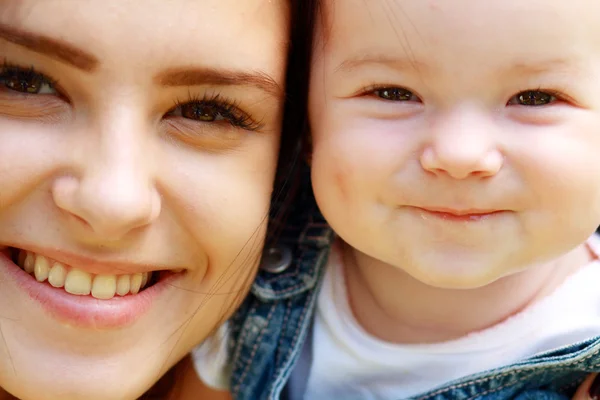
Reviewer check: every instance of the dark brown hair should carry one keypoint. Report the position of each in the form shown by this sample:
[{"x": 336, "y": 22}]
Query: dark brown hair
[
  {"x": 293, "y": 147},
  {"x": 291, "y": 154}
]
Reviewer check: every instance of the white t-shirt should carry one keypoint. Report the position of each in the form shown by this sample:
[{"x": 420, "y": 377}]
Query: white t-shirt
[{"x": 348, "y": 363}]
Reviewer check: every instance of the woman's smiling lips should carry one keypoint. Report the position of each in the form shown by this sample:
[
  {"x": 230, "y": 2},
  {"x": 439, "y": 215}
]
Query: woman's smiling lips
[{"x": 82, "y": 296}]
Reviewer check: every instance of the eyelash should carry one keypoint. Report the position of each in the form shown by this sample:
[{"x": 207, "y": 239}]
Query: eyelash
[
  {"x": 215, "y": 103},
  {"x": 9, "y": 70},
  {"x": 227, "y": 108},
  {"x": 556, "y": 94},
  {"x": 372, "y": 89}
]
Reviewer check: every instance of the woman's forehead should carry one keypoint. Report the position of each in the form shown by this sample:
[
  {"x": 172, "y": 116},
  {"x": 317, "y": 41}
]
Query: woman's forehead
[{"x": 154, "y": 34}]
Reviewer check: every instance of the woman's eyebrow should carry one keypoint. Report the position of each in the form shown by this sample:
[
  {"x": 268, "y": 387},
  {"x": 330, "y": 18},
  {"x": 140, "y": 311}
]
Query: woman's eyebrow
[
  {"x": 212, "y": 76},
  {"x": 59, "y": 50},
  {"x": 67, "y": 53}
]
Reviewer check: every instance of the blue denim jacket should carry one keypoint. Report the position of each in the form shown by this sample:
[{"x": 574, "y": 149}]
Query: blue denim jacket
[{"x": 269, "y": 331}]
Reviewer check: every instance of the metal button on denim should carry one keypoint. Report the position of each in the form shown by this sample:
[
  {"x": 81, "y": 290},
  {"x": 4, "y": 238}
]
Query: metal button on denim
[{"x": 276, "y": 259}]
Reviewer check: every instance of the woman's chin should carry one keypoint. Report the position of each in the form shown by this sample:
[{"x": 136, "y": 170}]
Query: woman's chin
[
  {"x": 31, "y": 372},
  {"x": 73, "y": 383},
  {"x": 42, "y": 357}
]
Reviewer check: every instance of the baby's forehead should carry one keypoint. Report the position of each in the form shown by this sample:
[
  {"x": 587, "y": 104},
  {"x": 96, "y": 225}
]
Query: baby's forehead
[{"x": 551, "y": 34}]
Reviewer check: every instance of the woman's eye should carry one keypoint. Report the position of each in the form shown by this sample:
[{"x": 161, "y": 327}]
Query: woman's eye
[
  {"x": 201, "y": 112},
  {"x": 532, "y": 98},
  {"x": 215, "y": 110},
  {"x": 395, "y": 94},
  {"x": 25, "y": 81}
]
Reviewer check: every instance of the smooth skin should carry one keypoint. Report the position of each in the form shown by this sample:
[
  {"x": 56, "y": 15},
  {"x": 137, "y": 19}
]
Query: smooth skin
[{"x": 148, "y": 136}]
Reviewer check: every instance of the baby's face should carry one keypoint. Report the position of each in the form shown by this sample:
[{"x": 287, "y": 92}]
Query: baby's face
[{"x": 458, "y": 140}]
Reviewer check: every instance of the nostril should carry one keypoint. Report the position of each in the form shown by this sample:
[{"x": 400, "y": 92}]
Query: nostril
[
  {"x": 80, "y": 220},
  {"x": 108, "y": 203}
]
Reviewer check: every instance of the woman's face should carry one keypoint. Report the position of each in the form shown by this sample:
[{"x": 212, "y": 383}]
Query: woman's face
[{"x": 138, "y": 146}]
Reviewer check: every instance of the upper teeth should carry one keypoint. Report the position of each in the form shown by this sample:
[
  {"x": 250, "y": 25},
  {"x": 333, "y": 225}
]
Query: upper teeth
[{"x": 78, "y": 282}]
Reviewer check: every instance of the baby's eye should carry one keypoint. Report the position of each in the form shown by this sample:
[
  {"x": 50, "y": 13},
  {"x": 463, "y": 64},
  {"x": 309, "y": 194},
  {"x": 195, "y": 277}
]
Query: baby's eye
[
  {"x": 395, "y": 94},
  {"x": 534, "y": 98},
  {"x": 25, "y": 81}
]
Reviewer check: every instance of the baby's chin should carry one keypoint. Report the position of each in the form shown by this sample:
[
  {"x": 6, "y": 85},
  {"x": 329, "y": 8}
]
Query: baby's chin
[
  {"x": 461, "y": 281},
  {"x": 459, "y": 271}
]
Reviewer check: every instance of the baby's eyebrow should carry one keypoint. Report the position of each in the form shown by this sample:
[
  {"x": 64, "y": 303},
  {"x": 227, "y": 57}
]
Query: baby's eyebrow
[
  {"x": 366, "y": 59},
  {"x": 54, "y": 48},
  {"x": 520, "y": 66},
  {"x": 542, "y": 66}
]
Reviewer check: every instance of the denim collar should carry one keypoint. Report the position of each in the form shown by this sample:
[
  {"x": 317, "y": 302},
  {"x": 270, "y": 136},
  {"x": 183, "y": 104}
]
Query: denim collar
[{"x": 303, "y": 238}]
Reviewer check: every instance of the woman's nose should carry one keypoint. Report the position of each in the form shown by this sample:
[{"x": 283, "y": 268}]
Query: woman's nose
[{"x": 114, "y": 191}]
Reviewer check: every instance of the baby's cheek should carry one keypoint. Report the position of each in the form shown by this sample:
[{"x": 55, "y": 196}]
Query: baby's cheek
[
  {"x": 341, "y": 184},
  {"x": 331, "y": 175}
]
